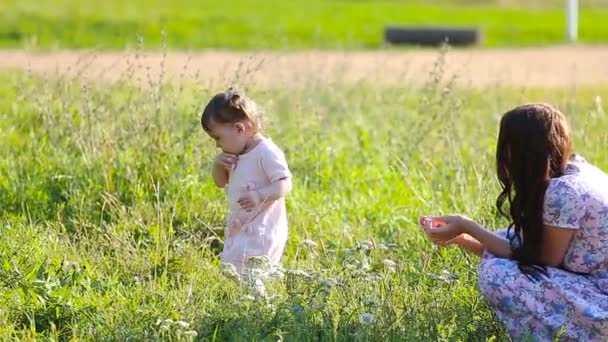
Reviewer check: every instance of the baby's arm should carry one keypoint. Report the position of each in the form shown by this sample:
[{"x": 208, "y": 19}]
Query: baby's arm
[
  {"x": 275, "y": 166},
  {"x": 251, "y": 199},
  {"x": 276, "y": 190},
  {"x": 220, "y": 176}
]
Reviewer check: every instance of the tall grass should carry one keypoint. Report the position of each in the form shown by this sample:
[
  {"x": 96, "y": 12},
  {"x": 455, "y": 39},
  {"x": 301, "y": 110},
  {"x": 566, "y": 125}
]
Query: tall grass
[{"x": 111, "y": 223}]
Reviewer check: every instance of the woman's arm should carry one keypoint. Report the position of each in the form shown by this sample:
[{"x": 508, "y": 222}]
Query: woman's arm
[
  {"x": 468, "y": 243},
  {"x": 555, "y": 244},
  {"x": 495, "y": 244},
  {"x": 442, "y": 229}
]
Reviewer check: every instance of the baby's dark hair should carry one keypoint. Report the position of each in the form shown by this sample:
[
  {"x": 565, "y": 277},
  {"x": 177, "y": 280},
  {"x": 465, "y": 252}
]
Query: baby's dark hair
[{"x": 231, "y": 106}]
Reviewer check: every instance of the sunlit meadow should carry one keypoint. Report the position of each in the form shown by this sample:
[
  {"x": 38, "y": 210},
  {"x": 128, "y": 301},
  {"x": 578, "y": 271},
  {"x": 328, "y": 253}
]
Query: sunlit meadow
[{"x": 111, "y": 224}]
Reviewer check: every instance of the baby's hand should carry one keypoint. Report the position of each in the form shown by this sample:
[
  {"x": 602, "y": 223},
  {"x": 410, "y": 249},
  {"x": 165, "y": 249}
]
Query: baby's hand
[
  {"x": 226, "y": 160},
  {"x": 250, "y": 200}
]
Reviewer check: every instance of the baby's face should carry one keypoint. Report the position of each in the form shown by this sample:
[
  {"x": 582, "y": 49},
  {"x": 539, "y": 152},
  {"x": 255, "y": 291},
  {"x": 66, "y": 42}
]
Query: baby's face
[{"x": 229, "y": 137}]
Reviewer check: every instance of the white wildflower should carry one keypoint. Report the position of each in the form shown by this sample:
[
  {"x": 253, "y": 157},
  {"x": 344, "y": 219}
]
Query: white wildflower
[
  {"x": 261, "y": 262},
  {"x": 257, "y": 267},
  {"x": 370, "y": 302},
  {"x": 390, "y": 265},
  {"x": 329, "y": 282},
  {"x": 299, "y": 273},
  {"x": 445, "y": 276},
  {"x": 352, "y": 260},
  {"x": 365, "y": 246},
  {"x": 259, "y": 288},
  {"x": 449, "y": 277},
  {"x": 373, "y": 276},
  {"x": 229, "y": 270},
  {"x": 308, "y": 243},
  {"x": 350, "y": 267},
  {"x": 248, "y": 298},
  {"x": 209, "y": 240},
  {"x": 436, "y": 277},
  {"x": 276, "y": 275},
  {"x": 191, "y": 333},
  {"x": 183, "y": 324},
  {"x": 75, "y": 265},
  {"x": 367, "y": 318},
  {"x": 365, "y": 265},
  {"x": 351, "y": 263}
]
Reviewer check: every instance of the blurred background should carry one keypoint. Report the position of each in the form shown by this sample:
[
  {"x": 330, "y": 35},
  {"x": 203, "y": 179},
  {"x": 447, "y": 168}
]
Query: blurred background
[{"x": 271, "y": 24}]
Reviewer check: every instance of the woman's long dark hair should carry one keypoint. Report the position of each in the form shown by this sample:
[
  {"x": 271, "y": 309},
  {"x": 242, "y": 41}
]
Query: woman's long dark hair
[{"x": 534, "y": 145}]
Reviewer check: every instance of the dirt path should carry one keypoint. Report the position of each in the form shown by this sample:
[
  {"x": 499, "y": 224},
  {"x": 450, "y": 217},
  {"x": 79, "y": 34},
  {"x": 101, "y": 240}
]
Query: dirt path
[{"x": 551, "y": 66}]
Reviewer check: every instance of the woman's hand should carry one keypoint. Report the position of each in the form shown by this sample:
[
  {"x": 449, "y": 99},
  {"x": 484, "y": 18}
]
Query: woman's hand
[
  {"x": 445, "y": 230},
  {"x": 466, "y": 233}
]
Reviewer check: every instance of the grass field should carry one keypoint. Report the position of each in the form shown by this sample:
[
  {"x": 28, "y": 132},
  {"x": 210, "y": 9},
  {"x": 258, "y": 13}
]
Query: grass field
[
  {"x": 246, "y": 24},
  {"x": 110, "y": 221}
]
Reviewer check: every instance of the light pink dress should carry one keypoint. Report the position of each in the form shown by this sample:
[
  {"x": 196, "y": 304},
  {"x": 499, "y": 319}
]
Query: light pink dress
[{"x": 263, "y": 231}]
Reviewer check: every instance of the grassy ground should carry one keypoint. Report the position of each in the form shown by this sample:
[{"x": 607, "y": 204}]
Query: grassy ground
[
  {"x": 110, "y": 221},
  {"x": 246, "y": 24}
]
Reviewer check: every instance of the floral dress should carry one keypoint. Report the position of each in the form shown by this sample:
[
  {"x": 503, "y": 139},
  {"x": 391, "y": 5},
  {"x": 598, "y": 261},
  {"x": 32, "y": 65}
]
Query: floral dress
[{"x": 571, "y": 301}]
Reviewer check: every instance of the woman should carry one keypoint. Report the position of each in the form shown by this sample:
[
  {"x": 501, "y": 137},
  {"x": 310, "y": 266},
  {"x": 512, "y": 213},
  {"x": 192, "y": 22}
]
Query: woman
[{"x": 547, "y": 275}]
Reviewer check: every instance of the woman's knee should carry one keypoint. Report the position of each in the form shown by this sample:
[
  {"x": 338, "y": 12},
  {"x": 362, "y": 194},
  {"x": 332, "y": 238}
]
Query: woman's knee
[{"x": 495, "y": 280}]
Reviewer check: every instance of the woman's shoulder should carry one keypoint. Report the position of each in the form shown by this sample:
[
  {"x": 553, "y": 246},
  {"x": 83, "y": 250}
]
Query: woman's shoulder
[{"x": 580, "y": 177}]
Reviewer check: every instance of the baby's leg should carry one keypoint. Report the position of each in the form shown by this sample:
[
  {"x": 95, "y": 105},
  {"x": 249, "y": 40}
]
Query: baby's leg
[{"x": 275, "y": 250}]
